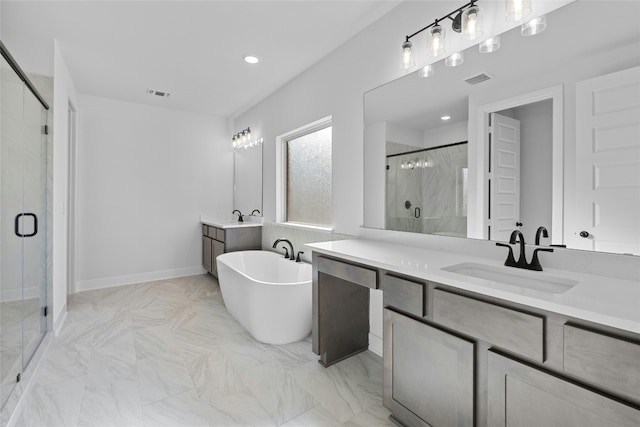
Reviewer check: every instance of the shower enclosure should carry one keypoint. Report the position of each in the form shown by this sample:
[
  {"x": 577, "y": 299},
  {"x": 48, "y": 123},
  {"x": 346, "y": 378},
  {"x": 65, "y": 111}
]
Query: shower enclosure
[
  {"x": 427, "y": 190},
  {"x": 23, "y": 199}
]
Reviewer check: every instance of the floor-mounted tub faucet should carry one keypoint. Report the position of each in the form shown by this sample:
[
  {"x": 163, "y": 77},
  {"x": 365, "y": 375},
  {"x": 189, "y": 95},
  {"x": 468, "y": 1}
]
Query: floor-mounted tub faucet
[
  {"x": 240, "y": 219},
  {"x": 286, "y": 254}
]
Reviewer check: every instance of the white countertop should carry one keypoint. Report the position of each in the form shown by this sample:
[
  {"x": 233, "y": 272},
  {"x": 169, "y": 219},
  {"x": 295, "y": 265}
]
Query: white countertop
[
  {"x": 603, "y": 300},
  {"x": 221, "y": 223}
]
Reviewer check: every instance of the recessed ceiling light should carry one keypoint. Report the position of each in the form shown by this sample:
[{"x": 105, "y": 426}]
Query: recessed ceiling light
[
  {"x": 445, "y": 118},
  {"x": 251, "y": 59}
]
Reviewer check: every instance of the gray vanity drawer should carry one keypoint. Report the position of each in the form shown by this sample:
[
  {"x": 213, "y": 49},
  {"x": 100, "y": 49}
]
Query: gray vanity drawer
[
  {"x": 219, "y": 235},
  {"x": 205, "y": 230},
  {"x": 404, "y": 294},
  {"x": 513, "y": 330},
  {"x": 349, "y": 272},
  {"x": 605, "y": 360}
]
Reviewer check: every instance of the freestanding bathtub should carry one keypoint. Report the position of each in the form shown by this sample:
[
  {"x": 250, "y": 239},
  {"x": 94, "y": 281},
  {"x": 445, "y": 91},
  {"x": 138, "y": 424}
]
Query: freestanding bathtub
[{"x": 270, "y": 296}]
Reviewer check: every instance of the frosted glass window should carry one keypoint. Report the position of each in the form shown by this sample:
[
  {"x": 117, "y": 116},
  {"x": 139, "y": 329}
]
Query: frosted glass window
[{"x": 309, "y": 178}]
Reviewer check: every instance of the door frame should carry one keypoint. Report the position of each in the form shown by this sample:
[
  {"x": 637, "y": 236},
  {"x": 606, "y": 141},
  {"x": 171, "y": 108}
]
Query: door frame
[
  {"x": 72, "y": 193},
  {"x": 553, "y": 93}
]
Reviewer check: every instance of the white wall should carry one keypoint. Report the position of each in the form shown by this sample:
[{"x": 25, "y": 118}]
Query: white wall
[
  {"x": 450, "y": 134},
  {"x": 145, "y": 176},
  {"x": 335, "y": 86},
  {"x": 64, "y": 91}
]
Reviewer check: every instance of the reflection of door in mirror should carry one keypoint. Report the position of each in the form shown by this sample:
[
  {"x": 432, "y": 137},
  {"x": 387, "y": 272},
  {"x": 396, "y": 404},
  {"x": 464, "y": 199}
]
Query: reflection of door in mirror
[
  {"x": 607, "y": 216},
  {"x": 504, "y": 176}
]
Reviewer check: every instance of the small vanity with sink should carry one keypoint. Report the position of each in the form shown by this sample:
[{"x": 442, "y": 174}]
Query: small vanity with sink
[
  {"x": 468, "y": 341},
  {"x": 219, "y": 237}
]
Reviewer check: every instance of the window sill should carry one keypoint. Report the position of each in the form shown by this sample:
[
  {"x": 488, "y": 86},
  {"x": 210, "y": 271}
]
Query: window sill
[{"x": 305, "y": 226}]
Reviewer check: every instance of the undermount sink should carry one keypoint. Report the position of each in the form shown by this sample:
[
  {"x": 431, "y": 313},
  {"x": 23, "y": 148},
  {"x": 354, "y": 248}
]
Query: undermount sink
[{"x": 510, "y": 278}]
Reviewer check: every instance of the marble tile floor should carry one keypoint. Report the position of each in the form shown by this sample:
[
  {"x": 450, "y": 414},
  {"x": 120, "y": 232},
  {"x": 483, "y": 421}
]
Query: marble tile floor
[
  {"x": 167, "y": 353},
  {"x": 20, "y": 333}
]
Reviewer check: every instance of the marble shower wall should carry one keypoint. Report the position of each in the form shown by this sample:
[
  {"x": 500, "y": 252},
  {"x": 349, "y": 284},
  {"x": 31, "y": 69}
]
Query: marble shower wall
[{"x": 435, "y": 182}]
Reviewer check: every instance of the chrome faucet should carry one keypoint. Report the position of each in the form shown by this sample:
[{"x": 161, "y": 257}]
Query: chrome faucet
[
  {"x": 292, "y": 257},
  {"x": 541, "y": 231},
  {"x": 240, "y": 219},
  {"x": 517, "y": 237}
]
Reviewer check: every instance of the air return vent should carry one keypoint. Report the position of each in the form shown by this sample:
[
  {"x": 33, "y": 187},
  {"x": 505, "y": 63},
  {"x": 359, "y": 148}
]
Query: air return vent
[
  {"x": 482, "y": 77},
  {"x": 159, "y": 93}
]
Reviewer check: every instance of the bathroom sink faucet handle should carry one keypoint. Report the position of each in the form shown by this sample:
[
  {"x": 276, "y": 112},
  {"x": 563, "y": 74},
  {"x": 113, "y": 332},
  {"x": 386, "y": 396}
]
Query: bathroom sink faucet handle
[
  {"x": 298, "y": 257},
  {"x": 510, "y": 261},
  {"x": 286, "y": 252},
  {"x": 239, "y": 215},
  {"x": 535, "y": 262}
]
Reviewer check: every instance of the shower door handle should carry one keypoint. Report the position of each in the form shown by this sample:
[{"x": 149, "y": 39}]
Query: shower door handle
[{"x": 16, "y": 224}]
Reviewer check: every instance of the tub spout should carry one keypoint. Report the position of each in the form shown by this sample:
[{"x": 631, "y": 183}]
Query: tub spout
[{"x": 292, "y": 252}]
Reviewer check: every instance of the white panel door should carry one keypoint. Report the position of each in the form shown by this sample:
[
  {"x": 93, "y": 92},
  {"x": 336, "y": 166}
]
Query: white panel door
[
  {"x": 607, "y": 164},
  {"x": 504, "y": 168}
]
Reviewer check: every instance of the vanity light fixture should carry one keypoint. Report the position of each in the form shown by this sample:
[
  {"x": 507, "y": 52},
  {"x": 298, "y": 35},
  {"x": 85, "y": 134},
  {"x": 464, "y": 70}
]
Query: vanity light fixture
[
  {"x": 454, "y": 59},
  {"x": 406, "y": 57},
  {"x": 243, "y": 140},
  {"x": 471, "y": 23},
  {"x": 426, "y": 71},
  {"x": 436, "y": 40},
  {"x": 535, "y": 26},
  {"x": 517, "y": 10},
  {"x": 489, "y": 45}
]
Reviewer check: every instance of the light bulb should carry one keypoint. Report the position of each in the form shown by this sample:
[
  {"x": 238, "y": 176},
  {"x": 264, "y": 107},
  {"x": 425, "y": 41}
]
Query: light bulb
[
  {"x": 471, "y": 23},
  {"x": 535, "y": 26},
  {"x": 406, "y": 58},
  {"x": 435, "y": 41},
  {"x": 489, "y": 45},
  {"x": 517, "y": 9},
  {"x": 454, "y": 59},
  {"x": 426, "y": 71},
  {"x": 248, "y": 134}
]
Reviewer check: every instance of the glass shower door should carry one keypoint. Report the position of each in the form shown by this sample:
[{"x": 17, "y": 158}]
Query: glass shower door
[{"x": 22, "y": 220}]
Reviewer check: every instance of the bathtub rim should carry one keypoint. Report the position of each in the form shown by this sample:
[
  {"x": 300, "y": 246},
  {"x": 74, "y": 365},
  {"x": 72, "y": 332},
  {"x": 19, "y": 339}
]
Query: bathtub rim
[{"x": 262, "y": 282}]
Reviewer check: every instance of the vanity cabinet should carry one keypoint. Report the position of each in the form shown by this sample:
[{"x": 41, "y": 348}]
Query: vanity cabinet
[
  {"x": 523, "y": 395},
  {"x": 457, "y": 358},
  {"x": 216, "y": 241},
  {"x": 428, "y": 373},
  {"x": 340, "y": 312}
]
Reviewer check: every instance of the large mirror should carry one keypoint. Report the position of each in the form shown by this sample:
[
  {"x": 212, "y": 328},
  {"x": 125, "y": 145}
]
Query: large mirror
[
  {"x": 543, "y": 132},
  {"x": 247, "y": 180}
]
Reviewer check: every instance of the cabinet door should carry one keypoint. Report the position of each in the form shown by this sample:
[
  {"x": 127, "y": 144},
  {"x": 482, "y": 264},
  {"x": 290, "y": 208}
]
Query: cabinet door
[
  {"x": 520, "y": 395},
  {"x": 428, "y": 374},
  {"x": 218, "y": 249},
  {"x": 207, "y": 252}
]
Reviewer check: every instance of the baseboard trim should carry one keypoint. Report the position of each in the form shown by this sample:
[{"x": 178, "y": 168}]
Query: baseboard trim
[
  {"x": 59, "y": 322},
  {"x": 375, "y": 344},
  {"x": 110, "y": 282}
]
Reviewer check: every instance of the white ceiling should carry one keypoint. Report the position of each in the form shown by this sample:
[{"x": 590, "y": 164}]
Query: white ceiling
[{"x": 192, "y": 49}]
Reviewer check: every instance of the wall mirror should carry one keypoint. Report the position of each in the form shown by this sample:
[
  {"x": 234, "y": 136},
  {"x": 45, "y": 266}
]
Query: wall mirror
[
  {"x": 543, "y": 132},
  {"x": 247, "y": 179}
]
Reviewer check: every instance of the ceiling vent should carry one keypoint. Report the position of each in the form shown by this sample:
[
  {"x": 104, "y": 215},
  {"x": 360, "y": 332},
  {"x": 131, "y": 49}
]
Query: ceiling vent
[
  {"x": 482, "y": 77},
  {"x": 159, "y": 93}
]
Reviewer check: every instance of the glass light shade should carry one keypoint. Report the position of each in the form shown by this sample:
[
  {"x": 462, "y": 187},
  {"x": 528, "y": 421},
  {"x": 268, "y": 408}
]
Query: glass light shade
[
  {"x": 406, "y": 56},
  {"x": 471, "y": 23},
  {"x": 435, "y": 41},
  {"x": 454, "y": 59},
  {"x": 517, "y": 9},
  {"x": 426, "y": 71},
  {"x": 489, "y": 45},
  {"x": 535, "y": 26}
]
